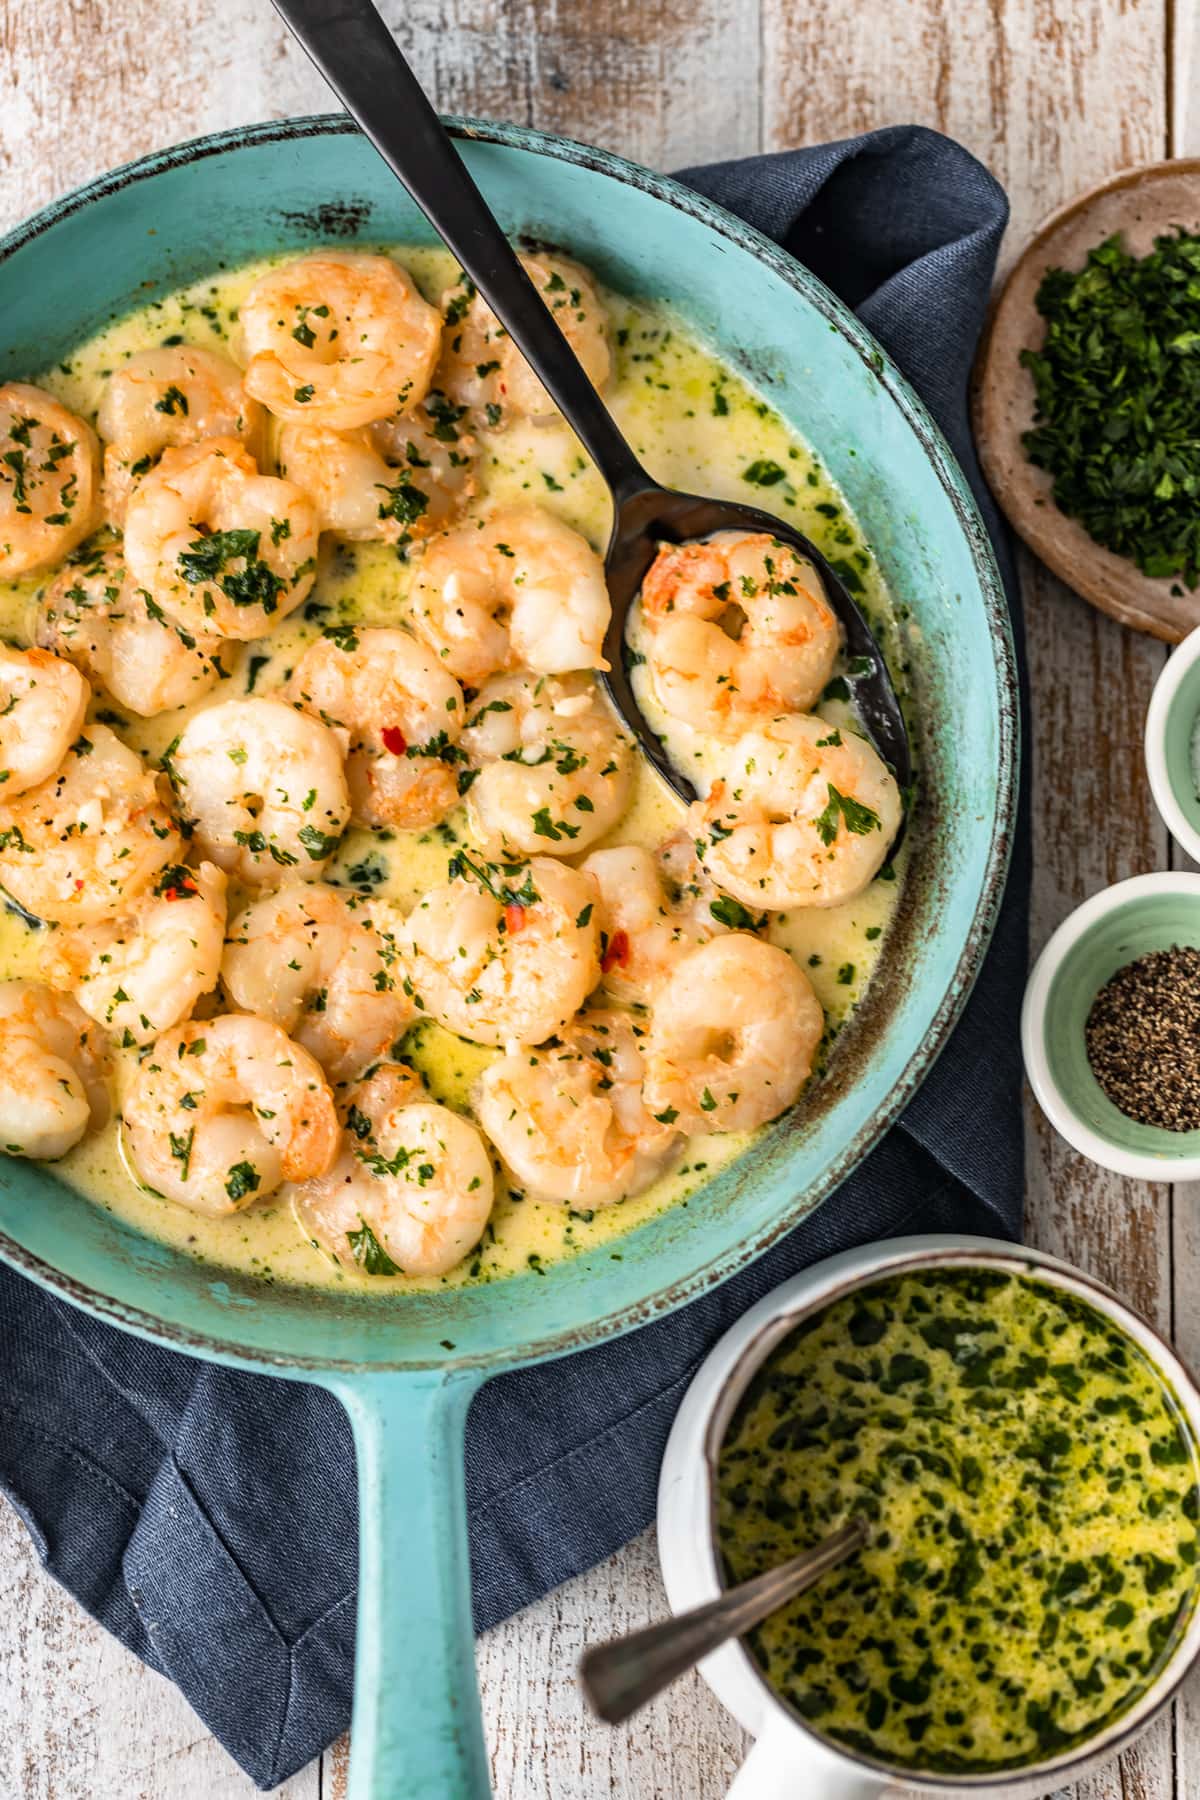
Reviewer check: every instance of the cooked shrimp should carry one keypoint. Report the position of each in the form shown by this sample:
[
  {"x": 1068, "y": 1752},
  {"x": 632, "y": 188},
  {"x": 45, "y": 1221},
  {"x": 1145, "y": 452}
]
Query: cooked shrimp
[
  {"x": 412, "y": 1189},
  {"x": 339, "y": 339},
  {"x": 223, "y": 1110},
  {"x": 324, "y": 967},
  {"x": 219, "y": 547},
  {"x": 143, "y": 971},
  {"x": 53, "y": 1064},
  {"x": 735, "y": 1028},
  {"x": 49, "y": 490},
  {"x": 738, "y": 630},
  {"x": 504, "y": 953},
  {"x": 554, "y": 767},
  {"x": 83, "y": 844},
  {"x": 804, "y": 817},
  {"x": 570, "y": 1120},
  {"x": 396, "y": 481},
  {"x": 42, "y": 703},
  {"x": 403, "y": 714},
  {"x": 92, "y": 614},
  {"x": 517, "y": 590},
  {"x": 646, "y": 924},
  {"x": 162, "y": 399},
  {"x": 263, "y": 788},
  {"x": 693, "y": 895},
  {"x": 483, "y": 370}
]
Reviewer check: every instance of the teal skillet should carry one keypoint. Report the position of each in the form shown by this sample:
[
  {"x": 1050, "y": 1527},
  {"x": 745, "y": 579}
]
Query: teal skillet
[{"x": 405, "y": 1368}]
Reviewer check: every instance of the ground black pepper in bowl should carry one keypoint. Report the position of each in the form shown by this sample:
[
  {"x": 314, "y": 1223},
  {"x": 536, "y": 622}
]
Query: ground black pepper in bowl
[{"x": 1143, "y": 1038}]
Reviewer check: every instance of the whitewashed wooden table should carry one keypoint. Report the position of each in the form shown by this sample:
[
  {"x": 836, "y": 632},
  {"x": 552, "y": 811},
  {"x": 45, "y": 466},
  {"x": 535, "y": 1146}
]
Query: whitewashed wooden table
[{"x": 1053, "y": 95}]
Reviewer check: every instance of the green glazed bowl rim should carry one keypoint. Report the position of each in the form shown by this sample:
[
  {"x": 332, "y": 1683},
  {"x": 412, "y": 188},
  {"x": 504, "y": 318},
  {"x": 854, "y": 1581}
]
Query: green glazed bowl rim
[
  {"x": 976, "y": 934},
  {"x": 1174, "y": 1156},
  {"x": 1177, "y": 682}
]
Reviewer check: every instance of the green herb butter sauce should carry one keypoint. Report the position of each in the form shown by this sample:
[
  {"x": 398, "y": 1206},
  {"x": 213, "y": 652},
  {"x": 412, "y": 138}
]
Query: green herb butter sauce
[
  {"x": 697, "y": 425},
  {"x": 1030, "y": 1485}
]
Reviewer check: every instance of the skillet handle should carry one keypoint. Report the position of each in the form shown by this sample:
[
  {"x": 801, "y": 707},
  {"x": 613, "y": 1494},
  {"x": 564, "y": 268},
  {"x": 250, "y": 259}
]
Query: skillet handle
[{"x": 416, "y": 1732}]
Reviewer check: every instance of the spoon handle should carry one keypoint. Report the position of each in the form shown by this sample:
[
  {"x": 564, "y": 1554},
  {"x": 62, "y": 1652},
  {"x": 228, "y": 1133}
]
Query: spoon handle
[
  {"x": 363, "y": 64},
  {"x": 619, "y": 1677}
]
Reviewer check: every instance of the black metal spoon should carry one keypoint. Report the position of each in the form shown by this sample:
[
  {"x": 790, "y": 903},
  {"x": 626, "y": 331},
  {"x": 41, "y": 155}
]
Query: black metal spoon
[{"x": 356, "y": 53}]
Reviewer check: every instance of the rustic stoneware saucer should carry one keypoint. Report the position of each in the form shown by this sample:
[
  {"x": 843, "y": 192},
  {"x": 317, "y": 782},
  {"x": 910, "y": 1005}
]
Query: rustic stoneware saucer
[{"x": 1141, "y": 205}]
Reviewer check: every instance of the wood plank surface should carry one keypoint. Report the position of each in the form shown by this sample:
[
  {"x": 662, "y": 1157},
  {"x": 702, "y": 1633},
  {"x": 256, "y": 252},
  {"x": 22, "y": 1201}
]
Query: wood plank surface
[{"x": 1053, "y": 94}]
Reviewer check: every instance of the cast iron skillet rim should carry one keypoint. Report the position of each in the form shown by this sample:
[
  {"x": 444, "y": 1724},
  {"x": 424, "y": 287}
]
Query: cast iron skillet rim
[{"x": 991, "y": 891}]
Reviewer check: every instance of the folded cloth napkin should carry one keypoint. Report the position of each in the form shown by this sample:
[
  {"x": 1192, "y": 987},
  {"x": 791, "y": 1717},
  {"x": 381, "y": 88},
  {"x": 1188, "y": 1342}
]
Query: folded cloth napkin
[{"x": 208, "y": 1518}]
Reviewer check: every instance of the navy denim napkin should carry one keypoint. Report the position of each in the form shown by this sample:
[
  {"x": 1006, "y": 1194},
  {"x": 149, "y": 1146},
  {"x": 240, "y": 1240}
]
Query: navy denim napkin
[{"x": 208, "y": 1518}]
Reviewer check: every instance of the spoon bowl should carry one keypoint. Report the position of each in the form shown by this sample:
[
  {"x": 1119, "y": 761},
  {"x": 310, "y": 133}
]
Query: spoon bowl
[
  {"x": 621, "y": 1676},
  {"x": 650, "y": 516},
  {"x": 358, "y": 56}
]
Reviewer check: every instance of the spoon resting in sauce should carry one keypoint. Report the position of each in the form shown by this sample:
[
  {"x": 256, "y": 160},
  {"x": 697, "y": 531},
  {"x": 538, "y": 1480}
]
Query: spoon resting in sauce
[
  {"x": 620, "y": 1677},
  {"x": 354, "y": 50}
]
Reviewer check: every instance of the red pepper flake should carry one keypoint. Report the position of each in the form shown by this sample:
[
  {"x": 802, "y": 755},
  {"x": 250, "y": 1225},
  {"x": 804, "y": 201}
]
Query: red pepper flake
[
  {"x": 394, "y": 740},
  {"x": 616, "y": 953},
  {"x": 181, "y": 892},
  {"x": 514, "y": 917}
]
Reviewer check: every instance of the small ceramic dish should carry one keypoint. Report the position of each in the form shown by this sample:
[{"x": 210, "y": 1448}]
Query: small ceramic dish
[
  {"x": 1172, "y": 721},
  {"x": 790, "y": 1757},
  {"x": 1148, "y": 912}
]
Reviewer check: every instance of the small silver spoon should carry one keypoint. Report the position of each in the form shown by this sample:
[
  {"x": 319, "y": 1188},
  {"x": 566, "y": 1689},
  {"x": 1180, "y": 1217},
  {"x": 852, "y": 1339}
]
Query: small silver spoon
[
  {"x": 619, "y": 1677},
  {"x": 361, "y": 61}
]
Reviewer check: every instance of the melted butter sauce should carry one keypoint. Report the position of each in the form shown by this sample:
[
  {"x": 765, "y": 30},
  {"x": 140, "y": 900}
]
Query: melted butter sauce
[
  {"x": 1030, "y": 1486},
  {"x": 697, "y": 425}
]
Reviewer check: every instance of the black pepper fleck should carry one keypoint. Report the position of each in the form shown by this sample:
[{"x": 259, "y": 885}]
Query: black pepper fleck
[{"x": 1143, "y": 1038}]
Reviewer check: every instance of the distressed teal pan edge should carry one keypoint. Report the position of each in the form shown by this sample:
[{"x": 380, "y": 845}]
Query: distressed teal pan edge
[
  {"x": 405, "y": 1370},
  {"x": 882, "y": 401}
]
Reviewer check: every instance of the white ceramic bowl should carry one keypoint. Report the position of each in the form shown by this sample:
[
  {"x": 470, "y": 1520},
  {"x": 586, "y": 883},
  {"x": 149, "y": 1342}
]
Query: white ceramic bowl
[
  {"x": 1171, "y": 720},
  {"x": 789, "y": 1761},
  {"x": 1148, "y": 912}
]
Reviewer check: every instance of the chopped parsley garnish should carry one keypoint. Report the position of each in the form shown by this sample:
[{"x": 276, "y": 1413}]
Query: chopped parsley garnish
[
  {"x": 859, "y": 819},
  {"x": 445, "y": 416},
  {"x": 545, "y": 826},
  {"x": 731, "y": 912},
  {"x": 404, "y": 503},
  {"x": 763, "y": 472},
  {"x": 242, "y": 1179},
  {"x": 487, "y": 874},
  {"x": 344, "y": 636},
  {"x": 181, "y": 1150},
  {"x": 208, "y": 559},
  {"x": 369, "y": 1253},
  {"x": 319, "y": 844},
  {"x": 357, "y": 1123},
  {"x": 1117, "y": 384}
]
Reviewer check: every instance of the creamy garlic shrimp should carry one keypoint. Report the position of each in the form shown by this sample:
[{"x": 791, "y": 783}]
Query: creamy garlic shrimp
[{"x": 363, "y": 950}]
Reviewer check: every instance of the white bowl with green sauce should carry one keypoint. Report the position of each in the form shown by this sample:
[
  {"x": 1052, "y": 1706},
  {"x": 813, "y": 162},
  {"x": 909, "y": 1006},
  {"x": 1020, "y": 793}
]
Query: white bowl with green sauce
[{"x": 1026, "y": 1453}]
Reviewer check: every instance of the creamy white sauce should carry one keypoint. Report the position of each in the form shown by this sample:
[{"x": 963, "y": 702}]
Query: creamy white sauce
[{"x": 696, "y": 425}]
